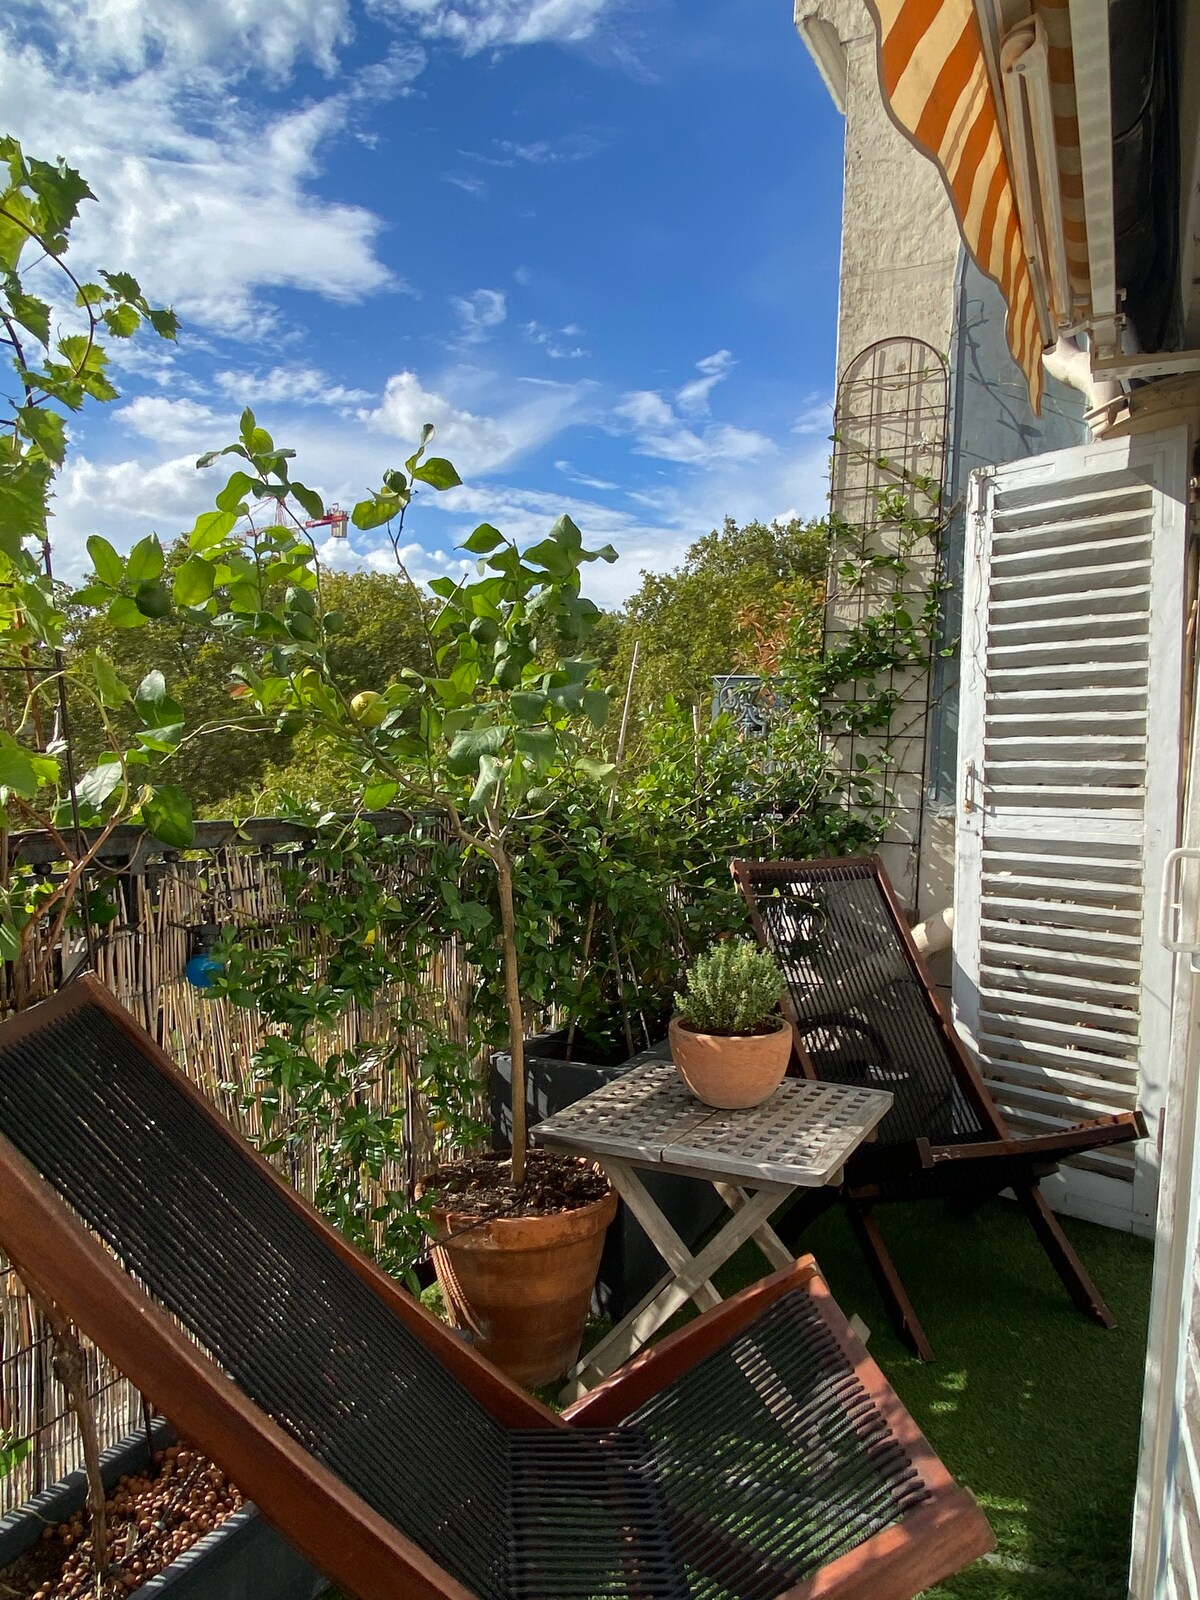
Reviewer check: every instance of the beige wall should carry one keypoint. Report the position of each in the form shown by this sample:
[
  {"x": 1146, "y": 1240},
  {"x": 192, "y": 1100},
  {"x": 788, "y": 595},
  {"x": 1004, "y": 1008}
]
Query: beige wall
[{"x": 899, "y": 254}]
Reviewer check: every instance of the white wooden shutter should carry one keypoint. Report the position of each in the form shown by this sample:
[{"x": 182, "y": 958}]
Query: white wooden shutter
[{"x": 1068, "y": 795}]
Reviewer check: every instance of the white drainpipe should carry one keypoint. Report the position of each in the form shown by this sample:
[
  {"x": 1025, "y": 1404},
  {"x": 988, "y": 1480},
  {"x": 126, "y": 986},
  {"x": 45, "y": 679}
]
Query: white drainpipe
[{"x": 1071, "y": 364}]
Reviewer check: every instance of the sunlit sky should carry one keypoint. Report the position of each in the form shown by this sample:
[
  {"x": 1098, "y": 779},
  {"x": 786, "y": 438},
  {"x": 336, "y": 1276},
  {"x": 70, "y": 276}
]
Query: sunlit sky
[{"x": 595, "y": 242}]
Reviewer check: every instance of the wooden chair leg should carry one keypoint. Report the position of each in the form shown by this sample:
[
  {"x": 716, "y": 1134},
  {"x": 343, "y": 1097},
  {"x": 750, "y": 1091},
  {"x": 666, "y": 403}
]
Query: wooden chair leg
[
  {"x": 1063, "y": 1259},
  {"x": 888, "y": 1281}
]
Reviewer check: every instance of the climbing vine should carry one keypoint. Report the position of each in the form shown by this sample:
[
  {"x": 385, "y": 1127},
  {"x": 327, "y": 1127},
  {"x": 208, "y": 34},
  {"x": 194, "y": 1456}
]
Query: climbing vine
[{"x": 857, "y": 691}]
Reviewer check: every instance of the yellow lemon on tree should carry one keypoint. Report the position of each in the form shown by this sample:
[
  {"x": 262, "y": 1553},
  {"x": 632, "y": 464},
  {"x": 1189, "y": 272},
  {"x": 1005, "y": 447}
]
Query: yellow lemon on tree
[{"x": 368, "y": 709}]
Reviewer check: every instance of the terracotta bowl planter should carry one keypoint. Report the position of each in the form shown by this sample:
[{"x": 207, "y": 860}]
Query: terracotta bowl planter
[
  {"x": 522, "y": 1285},
  {"x": 731, "y": 1071}
]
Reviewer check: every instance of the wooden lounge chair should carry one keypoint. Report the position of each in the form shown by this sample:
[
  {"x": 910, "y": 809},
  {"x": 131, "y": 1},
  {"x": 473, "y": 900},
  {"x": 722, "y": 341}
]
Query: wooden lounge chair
[
  {"x": 757, "y": 1453},
  {"x": 864, "y": 1010}
]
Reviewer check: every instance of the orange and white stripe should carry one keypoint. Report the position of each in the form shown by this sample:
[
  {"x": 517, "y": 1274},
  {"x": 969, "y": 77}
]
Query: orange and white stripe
[{"x": 935, "y": 79}]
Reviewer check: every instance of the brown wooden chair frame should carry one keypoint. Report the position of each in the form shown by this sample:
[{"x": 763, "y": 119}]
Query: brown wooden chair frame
[
  {"x": 1000, "y": 1162},
  {"x": 312, "y": 1507}
]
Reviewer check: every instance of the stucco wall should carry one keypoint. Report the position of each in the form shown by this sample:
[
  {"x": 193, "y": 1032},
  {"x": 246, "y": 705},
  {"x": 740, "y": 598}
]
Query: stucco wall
[{"x": 901, "y": 277}]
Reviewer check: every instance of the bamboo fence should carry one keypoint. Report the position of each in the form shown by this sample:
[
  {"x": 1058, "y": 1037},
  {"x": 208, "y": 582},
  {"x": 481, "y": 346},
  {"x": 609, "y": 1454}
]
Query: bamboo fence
[{"x": 141, "y": 958}]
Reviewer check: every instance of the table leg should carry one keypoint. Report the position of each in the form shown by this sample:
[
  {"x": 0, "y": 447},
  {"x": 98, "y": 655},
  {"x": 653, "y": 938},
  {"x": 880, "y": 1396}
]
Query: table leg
[
  {"x": 688, "y": 1280},
  {"x": 767, "y": 1240}
]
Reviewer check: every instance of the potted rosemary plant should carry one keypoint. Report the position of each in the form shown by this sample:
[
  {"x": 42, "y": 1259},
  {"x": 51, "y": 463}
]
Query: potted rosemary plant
[{"x": 728, "y": 1041}]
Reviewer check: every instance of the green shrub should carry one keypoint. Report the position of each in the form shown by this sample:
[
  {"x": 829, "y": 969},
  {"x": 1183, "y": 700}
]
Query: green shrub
[{"x": 733, "y": 988}]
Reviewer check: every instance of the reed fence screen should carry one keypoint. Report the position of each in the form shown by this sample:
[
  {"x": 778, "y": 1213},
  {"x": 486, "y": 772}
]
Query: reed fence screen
[{"x": 233, "y": 878}]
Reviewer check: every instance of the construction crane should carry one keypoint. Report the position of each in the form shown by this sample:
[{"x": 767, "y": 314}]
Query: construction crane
[{"x": 335, "y": 519}]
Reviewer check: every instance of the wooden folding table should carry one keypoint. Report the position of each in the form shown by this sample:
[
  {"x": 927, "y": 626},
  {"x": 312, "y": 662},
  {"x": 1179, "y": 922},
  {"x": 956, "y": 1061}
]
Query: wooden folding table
[{"x": 799, "y": 1138}]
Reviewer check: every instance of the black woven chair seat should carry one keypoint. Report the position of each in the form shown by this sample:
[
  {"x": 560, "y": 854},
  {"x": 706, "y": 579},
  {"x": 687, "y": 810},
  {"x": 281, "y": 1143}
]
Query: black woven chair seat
[{"x": 733, "y": 1483}]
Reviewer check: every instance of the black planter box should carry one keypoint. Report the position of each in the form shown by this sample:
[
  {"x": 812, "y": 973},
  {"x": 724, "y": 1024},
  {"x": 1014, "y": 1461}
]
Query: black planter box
[
  {"x": 630, "y": 1265},
  {"x": 243, "y": 1559}
]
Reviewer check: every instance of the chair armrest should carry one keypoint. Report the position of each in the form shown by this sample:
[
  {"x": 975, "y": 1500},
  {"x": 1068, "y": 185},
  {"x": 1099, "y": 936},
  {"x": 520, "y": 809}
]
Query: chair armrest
[
  {"x": 1118, "y": 1129},
  {"x": 630, "y": 1387},
  {"x": 878, "y": 1163}
]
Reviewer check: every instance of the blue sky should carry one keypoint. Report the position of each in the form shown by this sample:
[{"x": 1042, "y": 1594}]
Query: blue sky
[{"x": 595, "y": 242}]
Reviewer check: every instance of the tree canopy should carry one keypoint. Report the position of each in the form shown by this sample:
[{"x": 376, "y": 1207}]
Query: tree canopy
[
  {"x": 381, "y": 634},
  {"x": 742, "y": 598}
]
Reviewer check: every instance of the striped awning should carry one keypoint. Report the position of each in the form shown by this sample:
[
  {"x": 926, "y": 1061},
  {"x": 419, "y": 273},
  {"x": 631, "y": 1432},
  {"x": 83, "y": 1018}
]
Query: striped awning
[{"x": 935, "y": 80}]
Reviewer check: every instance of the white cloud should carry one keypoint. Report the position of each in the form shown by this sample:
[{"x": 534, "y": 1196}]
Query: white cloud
[
  {"x": 479, "y": 312},
  {"x": 182, "y": 207},
  {"x": 342, "y": 458},
  {"x": 300, "y": 385},
  {"x": 487, "y": 24},
  {"x": 104, "y": 35},
  {"x": 468, "y": 182},
  {"x": 477, "y": 443},
  {"x": 693, "y": 397},
  {"x": 816, "y": 415},
  {"x": 122, "y": 500},
  {"x": 576, "y": 146},
  {"x": 175, "y": 422},
  {"x": 658, "y": 430},
  {"x": 574, "y": 476},
  {"x": 556, "y": 342}
]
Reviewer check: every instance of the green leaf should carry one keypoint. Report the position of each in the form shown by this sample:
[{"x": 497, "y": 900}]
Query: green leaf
[
  {"x": 113, "y": 689},
  {"x": 145, "y": 561},
  {"x": 309, "y": 500},
  {"x": 124, "y": 613},
  {"x": 483, "y": 540},
  {"x": 491, "y": 775},
  {"x": 471, "y": 747},
  {"x": 426, "y": 435},
  {"x": 60, "y": 190},
  {"x": 551, "y": 556},
  {"x": 23, "y": 489},
  {"x": 437, "y": 472},
  {"x": 17, "y": 771},
  {"x": 538, "y": 744},
  {"x": 10, "y": 949},
  {"x": 152, "y": 691},
  {"x": 47, "y": 430},
  {"x": 373, "y": 513},
  {"x": 526, "y": 706},
  {"x": 96, "y": 786},
  {"x": 597, "y": 771},
  {"x": 210, "y": 529},
  {"x": 168, "y": 816},
  {"x": 235, "y": 491},
  {"x": 33, "y": 314},
  {"x": 123, "y": 284},
  {"x": 595, "y": 707},
  {"x": 164, "y": 321},
  {"x": 152, "y": 600},
  {"x": 110, "y": 569},
  {"x": 378, "y": 796},
  {"x": 194, "y": 581},
  {"x": 122, "y": 321}
]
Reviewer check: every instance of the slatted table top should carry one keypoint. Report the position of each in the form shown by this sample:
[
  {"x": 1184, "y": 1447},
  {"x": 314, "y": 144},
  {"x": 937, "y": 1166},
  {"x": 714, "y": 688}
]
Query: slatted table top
[{"x": 802, "y": 1135}]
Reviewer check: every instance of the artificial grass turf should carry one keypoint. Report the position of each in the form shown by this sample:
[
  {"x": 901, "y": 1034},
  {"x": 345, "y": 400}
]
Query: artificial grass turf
[{"x": 1032, "y": 1406}]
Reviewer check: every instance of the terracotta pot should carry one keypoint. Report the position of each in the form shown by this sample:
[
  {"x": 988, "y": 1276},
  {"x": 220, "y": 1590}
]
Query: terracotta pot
[
  {"x": 523, "y": 1285},
  {"x": 731, "y": 1071}
]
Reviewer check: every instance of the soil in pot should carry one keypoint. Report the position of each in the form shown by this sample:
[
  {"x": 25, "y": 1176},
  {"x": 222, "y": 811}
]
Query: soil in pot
[
  {"x": 152, "y": 1519},
  {"x": 731, "y": 1071},
  {"x": 516, "y": 1268}
]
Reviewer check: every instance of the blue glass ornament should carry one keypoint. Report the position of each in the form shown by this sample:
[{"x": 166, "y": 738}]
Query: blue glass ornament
[{"x": 202, "y": 970}]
